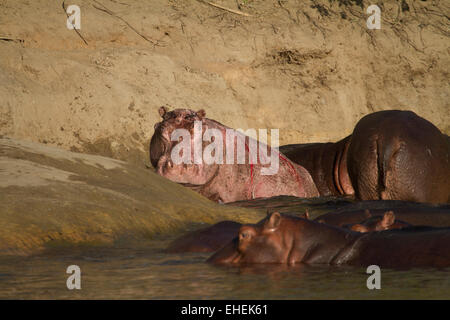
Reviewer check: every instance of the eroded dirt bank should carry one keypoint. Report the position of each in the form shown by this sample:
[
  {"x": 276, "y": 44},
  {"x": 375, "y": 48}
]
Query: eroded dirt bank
[{"x": 309, "y": 68}]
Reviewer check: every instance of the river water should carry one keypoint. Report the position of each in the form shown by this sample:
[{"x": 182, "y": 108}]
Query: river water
[{"x": 142, "y": 270}]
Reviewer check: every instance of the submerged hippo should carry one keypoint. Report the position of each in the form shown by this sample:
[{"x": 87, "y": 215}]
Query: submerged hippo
[
  {"x": 212, "y": 238},
  {"x": 438, "y": 216},
  {"x": 378, "y": 223},
  {"x": 290, "y": 240},
  {"x": 208, "y": 239},
  {"x": 214, "y": 160},
  {"x": 391, "y": 155}
]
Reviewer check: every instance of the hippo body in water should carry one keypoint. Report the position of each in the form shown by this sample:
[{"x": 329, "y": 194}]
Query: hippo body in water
[
  {"x": 207, "y": 239},
  {"x": 417, "y": 216},
  {"x": 224, "y": 182},
  {"x": 212, "y": 238},
  {"x": 378, "y": 223},
  {"x": 290, "y": 240},
  {"x": 391, "y": 155}
]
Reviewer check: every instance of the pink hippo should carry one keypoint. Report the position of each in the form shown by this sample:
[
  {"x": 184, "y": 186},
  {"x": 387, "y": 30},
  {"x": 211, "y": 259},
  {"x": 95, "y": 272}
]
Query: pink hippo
[{"x": 220, "y": 163}]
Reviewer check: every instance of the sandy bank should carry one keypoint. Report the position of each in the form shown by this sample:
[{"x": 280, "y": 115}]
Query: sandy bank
[
  {"x": 310, "y": 68},
  {"x": 50, "y": 196}
]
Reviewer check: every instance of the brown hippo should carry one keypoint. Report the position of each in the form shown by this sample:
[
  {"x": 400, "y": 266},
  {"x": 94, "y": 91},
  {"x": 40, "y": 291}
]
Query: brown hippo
[
  {"x": 391, "y": 155},
  {"x": 246, "y": 174},
  {"x": 290, "y": 240},
  {"x": 212, "y": 238},
  {"x": 209, "y": 239},
  {"x": 378, "y": 223},
  {"x": 438, "y": 216},
  {"x": 327, "y": 164}
]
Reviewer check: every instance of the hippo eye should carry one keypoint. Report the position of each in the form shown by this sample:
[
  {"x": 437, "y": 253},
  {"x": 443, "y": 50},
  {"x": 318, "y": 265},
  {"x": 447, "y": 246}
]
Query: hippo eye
[{"x": 244, "y": 235}]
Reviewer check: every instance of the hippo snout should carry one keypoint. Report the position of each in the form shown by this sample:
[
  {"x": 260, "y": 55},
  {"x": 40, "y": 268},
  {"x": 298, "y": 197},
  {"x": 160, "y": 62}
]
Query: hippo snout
[
  {"x": 164, "y": 164},
  {"x": 229, "y": 254}
]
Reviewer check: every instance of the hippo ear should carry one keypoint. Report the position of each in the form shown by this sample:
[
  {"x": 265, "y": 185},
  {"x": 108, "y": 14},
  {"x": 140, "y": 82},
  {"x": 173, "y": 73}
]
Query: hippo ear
[
  {"x": 306, "y": 214},
  {"x": 201, "y": 113},
  {"x": 273, "y": 222},
  {"x": 162, "y": 111},
  {"x": 388, "y": 219}
]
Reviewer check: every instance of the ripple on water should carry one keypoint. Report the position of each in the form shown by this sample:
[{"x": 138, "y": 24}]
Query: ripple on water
[
  {"x": 151, "y": 274},
  {"x": 144, "y": 271}
]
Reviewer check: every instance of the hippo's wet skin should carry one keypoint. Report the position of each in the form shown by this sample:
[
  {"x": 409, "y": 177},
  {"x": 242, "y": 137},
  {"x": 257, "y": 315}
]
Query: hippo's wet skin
[
  {"x": 327, "y": 164},
  {"x": 438, "y": 216},
  {"x": 290, "y": 240},
  {"x": 225, "y": 182},
  {"x": 212, "y": 238},
  {"x": 208, "y": 239},
  {"x": 378, "y": 223},
  {"x": 391, "y": 155}
]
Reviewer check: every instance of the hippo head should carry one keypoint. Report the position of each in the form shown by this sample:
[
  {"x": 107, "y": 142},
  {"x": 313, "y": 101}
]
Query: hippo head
[
  {"x": 378, "y": 223},
  {"x": 162, "y": 145},
  {"x": 178, "y": 118},
  {"x": 265, "y": 242}
]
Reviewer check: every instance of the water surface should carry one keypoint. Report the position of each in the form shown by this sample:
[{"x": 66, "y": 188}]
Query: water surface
[
  {"x": 142, "y": 270},
  {"x": 148, "y": 273}
]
